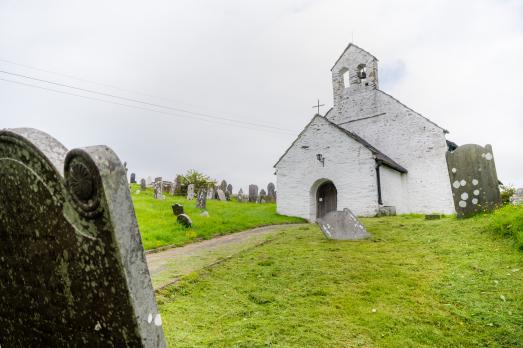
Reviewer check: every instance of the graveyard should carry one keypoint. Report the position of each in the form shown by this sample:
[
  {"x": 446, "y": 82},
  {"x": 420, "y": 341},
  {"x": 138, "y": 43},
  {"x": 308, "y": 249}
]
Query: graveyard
[{"x": 159, "y": 228}]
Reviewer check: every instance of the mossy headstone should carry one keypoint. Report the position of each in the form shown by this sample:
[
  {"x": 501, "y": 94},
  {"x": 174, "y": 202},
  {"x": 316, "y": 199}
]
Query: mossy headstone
[{"x": 73, "y": 271}]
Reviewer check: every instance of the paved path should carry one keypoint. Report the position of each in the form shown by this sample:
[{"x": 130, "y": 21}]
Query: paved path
[{"x": 168, "y": 265}]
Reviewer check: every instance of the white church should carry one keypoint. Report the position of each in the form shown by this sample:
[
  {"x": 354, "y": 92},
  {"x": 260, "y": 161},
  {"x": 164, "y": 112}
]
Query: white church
[{"x": 370, "y": 153}]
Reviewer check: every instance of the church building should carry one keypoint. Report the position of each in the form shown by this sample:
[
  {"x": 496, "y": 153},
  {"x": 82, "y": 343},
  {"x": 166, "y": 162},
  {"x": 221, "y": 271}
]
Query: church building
[{"x": 370, "y": 153}]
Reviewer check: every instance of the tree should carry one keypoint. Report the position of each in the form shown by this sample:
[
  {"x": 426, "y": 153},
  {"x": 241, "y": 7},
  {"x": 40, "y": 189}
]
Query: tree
[
  {"x": 506, "y": 191},
  {"x": 199, "y": 180}
]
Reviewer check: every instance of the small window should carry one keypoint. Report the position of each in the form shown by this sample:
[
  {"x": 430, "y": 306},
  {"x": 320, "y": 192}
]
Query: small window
[
  {"x": 346, "y": 78},
  {"x": 362, "y": 72}
]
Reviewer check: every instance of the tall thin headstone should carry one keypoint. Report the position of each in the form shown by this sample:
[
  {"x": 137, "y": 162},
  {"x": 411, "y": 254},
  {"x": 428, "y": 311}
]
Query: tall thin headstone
[
  {"x": 78, "y": 274},
  {"x": 201, "y": 199},
  {"x": 253, "y": 193},
  {"x": 190, "y": 192}
]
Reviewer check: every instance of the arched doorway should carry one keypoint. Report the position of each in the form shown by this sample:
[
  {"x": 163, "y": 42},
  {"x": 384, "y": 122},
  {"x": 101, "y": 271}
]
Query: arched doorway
[{"x": 326, "y": 199}]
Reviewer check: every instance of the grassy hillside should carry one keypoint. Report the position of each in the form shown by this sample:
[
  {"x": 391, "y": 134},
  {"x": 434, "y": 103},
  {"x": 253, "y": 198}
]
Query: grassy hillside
[
  {"x": 159, "y": 228},
  {"x": 416, "y": 283}
]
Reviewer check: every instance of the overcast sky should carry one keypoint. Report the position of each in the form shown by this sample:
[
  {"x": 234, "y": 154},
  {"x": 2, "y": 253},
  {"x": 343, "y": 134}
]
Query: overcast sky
[{"x": 460, "y": 63}]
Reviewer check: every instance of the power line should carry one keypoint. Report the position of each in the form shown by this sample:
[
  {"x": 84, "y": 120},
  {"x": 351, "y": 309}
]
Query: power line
[
  {"x": 142, "y": 102},
  {"x": 146, "y": 109}
]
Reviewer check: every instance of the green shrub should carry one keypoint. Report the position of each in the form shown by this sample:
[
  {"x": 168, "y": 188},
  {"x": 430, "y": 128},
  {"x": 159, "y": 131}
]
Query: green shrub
[
  {"x": 506, "y": 192},
  {"x": 508, "y": 222}
]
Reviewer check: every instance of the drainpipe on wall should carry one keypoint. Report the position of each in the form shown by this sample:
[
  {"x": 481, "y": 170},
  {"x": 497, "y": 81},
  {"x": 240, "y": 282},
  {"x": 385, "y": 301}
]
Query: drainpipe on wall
[{"x": 378, "y": 164}]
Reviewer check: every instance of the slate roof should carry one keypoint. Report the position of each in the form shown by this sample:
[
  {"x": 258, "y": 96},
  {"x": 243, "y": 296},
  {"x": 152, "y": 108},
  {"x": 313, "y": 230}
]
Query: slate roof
[{"x": 379, "y": 156}]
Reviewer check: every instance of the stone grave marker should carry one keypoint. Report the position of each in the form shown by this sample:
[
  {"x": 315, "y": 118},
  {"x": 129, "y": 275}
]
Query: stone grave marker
[
  {"x": 190, "y": 192},
  {"x": 229, "y": 189},
  {"x": 221, "y": 195},
  {"x": 253, "y": 193},
  {"x": 184, "y": 220},
  {"x": 177, "y": 209},
  {"x": 263, "y": 196},
  {"x": 223, "y": 185},
  {"x": 73, "y": 268},
  {"x": 142, "y": 184},
  {"x": 342, "y": 225},
  {"x": 178, "y": 185},
  {"x": 158, "y": 189},
  {"x": 201, "y": 199},
  {"x": 210, "y": 192},
  {"x": 133, "y": 178},
  {"x": 149, "y": 181},
  {"x": 239, "y": 197},
  {"x": 271, "y": 192},
  {"x": 473, "y": 179}
]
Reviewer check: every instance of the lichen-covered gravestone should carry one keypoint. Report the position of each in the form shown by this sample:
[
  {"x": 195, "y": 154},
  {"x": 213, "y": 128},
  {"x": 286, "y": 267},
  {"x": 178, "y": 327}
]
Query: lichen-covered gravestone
[
  {"x": 475, "y": 185},
  {"x": 190, "y": 192},
  {"x": 73, "y": 271},
  {"x": 201, "y": 199},
  {"x": 342, "y": 225},
  {"x": 221, "y": 195},
  {"x": 253, "y": 193}
]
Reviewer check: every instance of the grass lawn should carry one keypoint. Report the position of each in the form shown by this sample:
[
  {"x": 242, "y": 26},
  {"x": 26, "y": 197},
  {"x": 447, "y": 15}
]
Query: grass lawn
[
  {"x": 416, "y": 283},
  {"x": 158, "y": 225}
]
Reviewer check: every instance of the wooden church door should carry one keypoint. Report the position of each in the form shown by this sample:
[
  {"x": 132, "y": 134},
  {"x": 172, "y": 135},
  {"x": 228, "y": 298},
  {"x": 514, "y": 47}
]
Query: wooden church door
[{"x": 326, "y": 199}]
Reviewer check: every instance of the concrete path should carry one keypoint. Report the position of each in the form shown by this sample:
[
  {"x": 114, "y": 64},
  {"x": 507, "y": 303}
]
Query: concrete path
[{"x": 168, "y": 265}]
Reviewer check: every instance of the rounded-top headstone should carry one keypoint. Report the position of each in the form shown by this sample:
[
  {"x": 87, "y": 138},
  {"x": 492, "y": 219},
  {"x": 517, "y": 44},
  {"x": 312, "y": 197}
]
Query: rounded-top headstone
[
  {"x": 184, "y": 220},
  {"x": 177, "y": 209}
]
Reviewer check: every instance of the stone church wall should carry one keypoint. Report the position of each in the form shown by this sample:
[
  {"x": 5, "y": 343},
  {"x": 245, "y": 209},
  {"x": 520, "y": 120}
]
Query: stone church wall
[
  {"x": 348, "y": 164},
  {"x": 412, "y": 141}
]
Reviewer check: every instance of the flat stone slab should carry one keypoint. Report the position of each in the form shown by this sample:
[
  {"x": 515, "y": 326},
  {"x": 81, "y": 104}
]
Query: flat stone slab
[
  {"x": 73, "y": 271},
  {"x": 342, "y": 225}
]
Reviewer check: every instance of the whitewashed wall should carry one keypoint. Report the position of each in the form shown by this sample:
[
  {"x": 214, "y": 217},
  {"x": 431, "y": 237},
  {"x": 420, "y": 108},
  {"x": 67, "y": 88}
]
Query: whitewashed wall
[
  {"x": 348, "y": 164},
  {"x": 393, "y": 193}
]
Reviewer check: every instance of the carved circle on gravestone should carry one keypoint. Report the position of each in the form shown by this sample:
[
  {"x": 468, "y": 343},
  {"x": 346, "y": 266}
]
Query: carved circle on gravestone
[{"x": 82, "y": 180}]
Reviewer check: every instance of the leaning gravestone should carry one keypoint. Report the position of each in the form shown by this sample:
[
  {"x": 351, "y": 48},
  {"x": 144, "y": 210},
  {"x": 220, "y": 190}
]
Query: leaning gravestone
[
  {"x": 342, "y": 225},
  {"x": 201, "y": 199},
  {"x": 221, "y": 195},
  {"x": 474, "y": 180},
  {"x": 184, "y": 220},
  {"x": 253, "y": 193},
  {"x": 73, "y": 268},
  {"x": 133, "y": 178},
  {"x": 190, "y": 192},
  {"x": 142, "y": 184}
]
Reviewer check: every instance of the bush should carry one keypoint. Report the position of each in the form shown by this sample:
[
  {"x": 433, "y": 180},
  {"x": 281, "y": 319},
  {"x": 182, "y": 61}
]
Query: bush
[
  {"x": 508, "y": 222},
  {"x": 506, "y": 192},
  {"x": 199, "y": 180}
]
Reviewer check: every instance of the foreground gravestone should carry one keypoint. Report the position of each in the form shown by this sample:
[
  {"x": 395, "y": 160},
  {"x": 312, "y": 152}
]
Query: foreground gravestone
[
  {"x": 342, "y": 225},
  {"x": 177, "y": 209},
  {"x": 253, "y": 193},
  {"x": 142, "y": 184},
  {"x": 73, "y": 271},
  {"x": 201, "y": 199},
  {"x": 474, "y": 181},
  {"x": 190, "y": 192}
]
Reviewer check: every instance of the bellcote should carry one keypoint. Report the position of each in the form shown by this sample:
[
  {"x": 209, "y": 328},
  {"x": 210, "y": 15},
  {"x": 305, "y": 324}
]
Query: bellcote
[{"x": 355, "y": 71}]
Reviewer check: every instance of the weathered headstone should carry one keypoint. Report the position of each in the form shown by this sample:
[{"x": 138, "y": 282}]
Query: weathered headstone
[
  {"x": 223, "y": 185},
  {"x": 253, "y": 193},
  {"x": 263, "y": 196},
  {"x": 239, "y": 197},
  {"x": 201, "y": 199},
  {"x": 158, "y": 189},
  {"x": 73, "y": 270},
  {"x": 517, "y": 197},
  {"x": 177, "y": 209},
  {"x": 210, "y": 192},
  {"x": 227, "y": 196},
  {"x": 474, "y": 180},
  {"x": 184, "y": 220},
  {"x": 342, "y": 225},
  {"x": 190, "y": 192},
  {"x": 149, "y": 181},
  {"x": 229, "y": 189},
  {"x": 271, "y": 192},
  {"x": 221, "y": 195},
  {"x": 142, "y": 184},
  {"x": 133, "y": 178}
]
